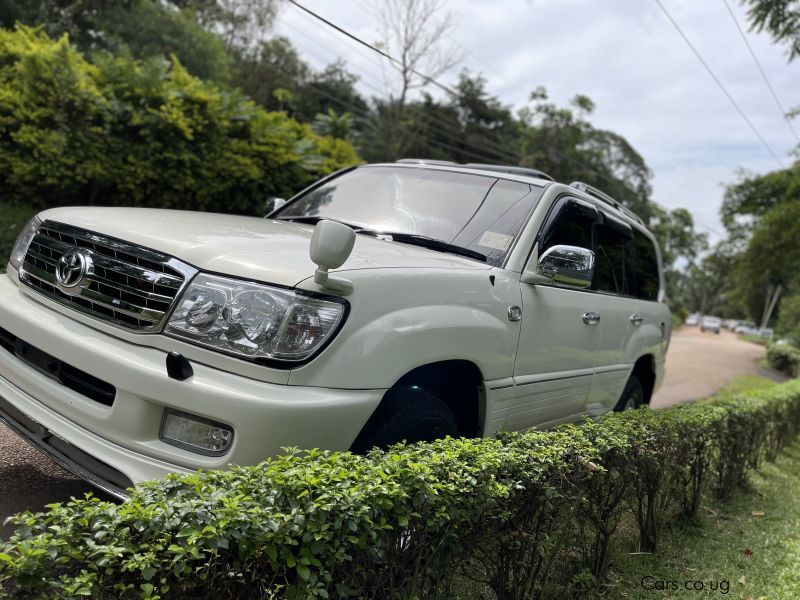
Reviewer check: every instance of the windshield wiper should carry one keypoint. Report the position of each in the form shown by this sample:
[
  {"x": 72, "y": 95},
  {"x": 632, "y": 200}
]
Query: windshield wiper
[
  {"x": 425, "y": 242},
  {"x": 307, "y": 220},
  {"x": 406, "y": 238}
]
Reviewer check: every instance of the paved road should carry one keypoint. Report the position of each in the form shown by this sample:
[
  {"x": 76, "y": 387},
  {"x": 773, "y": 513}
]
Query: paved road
[{"x": 697, "y": 365}]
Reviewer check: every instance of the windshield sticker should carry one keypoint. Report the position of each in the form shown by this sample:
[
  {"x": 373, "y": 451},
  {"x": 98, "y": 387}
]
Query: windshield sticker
[{"x": 497, "y": 241}]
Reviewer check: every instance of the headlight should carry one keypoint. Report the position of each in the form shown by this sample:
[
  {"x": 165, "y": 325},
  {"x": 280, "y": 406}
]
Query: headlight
[
  {"x": 253, "y": 321},
  {"x": 23, "y": 241}
]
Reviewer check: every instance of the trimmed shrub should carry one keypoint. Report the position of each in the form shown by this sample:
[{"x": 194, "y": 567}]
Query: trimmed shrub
[
  {"x": 124, "y": 132},
  {"x": 514, "y": 514},
  {"x": 784, "y": 358}
]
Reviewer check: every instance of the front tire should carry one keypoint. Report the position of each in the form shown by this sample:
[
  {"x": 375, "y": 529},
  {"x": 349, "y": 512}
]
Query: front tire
[
  {"x": 409, "y": 414},
  {"x": 632, "y": 396}
]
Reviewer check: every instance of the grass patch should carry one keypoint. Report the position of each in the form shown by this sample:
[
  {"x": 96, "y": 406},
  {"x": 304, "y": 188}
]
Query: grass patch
[
  {"x": 746, "y": 383},
  {"x": 754, "y": 339},
  {"x": 752, "y": 542},
  {"x": 12, "y": 219}
]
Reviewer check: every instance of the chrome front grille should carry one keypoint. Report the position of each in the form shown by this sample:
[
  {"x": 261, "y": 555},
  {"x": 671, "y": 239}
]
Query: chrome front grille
[{"x": 128, "y": 285}]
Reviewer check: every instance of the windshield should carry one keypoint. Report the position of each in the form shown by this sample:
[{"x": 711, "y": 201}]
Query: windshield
[{"x": 476, "y": 212}]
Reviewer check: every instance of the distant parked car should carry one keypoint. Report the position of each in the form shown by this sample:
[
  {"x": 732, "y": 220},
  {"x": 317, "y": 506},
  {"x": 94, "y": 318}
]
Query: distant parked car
[
  {"x": 745, "y": 328},
  {"x": 766, "y": 333},
  {"x": 692, "y": 320},
  {"x": 711, "y": 324},
  {"x": 730, "y": 324}
]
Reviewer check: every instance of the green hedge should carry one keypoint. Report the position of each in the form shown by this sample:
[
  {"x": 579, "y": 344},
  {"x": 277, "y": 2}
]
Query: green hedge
[
  {"x": 520, "y": 515},
  {"x": 116, "y": 131},
  {"x": 784, "y": 358}
]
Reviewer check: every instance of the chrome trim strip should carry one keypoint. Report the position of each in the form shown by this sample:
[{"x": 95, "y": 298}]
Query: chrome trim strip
[
  {"x": 113, "y": 264},
  {"x": 122, "y": 303},
  {"x": 557, "y": 376},
  {"x": 137, "y": 312}
]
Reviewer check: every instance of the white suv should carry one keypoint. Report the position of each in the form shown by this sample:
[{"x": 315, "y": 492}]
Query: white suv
[{"x": 386, "y": 302}]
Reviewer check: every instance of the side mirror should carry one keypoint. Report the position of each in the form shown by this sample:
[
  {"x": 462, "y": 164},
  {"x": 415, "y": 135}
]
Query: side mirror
[
  {"x": 565, "y": 265},
  {"x": 272, "y": 204},
  {"x": 331, "y": 245}
]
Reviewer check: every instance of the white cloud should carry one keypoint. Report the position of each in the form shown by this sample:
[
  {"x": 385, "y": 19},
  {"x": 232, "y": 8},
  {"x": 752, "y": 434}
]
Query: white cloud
[{"x": 627, "y": 57}]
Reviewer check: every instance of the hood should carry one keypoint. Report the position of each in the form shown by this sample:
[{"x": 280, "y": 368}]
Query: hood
[{"x": 248, "y": 247}]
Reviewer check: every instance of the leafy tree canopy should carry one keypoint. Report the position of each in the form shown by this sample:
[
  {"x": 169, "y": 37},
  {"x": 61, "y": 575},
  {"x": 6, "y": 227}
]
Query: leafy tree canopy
[
  {"x": 779, "y": 18},
  {"x": 134, "y": 133}
]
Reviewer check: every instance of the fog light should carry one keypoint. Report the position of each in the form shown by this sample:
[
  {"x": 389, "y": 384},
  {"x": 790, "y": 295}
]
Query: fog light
[{"x": 195, "y": 434}]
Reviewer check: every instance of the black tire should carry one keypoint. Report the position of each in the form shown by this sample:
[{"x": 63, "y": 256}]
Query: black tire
[
  {"x": 632, "y": 396},
  {"x": 408, "y": 413}
]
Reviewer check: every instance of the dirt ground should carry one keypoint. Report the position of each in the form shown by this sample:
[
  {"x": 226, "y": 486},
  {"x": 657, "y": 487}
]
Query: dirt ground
[{"x": 697, "y": 365}]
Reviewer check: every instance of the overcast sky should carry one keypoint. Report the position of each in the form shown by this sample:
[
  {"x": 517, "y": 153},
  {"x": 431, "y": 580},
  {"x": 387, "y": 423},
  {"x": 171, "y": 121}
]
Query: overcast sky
[{"x": 626, "y": 56}]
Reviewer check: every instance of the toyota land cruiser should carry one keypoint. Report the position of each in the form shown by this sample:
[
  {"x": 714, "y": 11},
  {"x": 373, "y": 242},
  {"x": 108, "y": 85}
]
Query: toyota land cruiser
[{"x": 387, "y": 302}]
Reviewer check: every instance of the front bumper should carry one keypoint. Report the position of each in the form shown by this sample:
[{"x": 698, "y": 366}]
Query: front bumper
[{"x": 124, "y": 437}]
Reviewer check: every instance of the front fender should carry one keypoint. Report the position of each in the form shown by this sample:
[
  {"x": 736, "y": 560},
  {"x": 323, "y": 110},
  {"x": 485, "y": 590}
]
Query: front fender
[{"x": 381, "y": 342}]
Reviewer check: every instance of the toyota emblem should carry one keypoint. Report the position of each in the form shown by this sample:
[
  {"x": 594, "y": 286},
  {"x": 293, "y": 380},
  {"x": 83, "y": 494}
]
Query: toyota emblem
[{"x": 72, "y": 269}]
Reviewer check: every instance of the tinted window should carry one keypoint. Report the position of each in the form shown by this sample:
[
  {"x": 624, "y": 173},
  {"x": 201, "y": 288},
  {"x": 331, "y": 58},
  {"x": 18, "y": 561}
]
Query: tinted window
[
  {"x": 478, "y": 212},
  {"x": 571, "y": 226},
  {"x": 646, "y": 267},
  {"x": 612, "y": 269}
]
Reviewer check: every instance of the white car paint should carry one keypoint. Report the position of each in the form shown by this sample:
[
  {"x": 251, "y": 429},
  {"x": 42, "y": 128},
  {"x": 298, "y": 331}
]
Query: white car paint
[{"x": 409, "y": 307}]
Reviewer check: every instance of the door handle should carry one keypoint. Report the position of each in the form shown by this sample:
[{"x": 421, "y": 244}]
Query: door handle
[
  {"x": 636, "y": 319},
  {"x": 591, "y": 318}
]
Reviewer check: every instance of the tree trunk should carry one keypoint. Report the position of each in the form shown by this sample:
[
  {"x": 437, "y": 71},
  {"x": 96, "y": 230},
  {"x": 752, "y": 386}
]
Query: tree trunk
[{"x": 770, "y": 304}]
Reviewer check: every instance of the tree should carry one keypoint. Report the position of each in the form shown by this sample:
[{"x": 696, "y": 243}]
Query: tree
[
  {"x": 748, "y": 199},
  {"x": 680, "y": 245},
  {"x": 143, "y": 28},
  {"x": 562, "y": 142},
  {"x": 414, "y": 32},
  {"x": 789, "y": 319},
  {"x": 242, "y": 24},
  {"x": 707, "y": 285},
  {"x": 768, "y": 267},
  {"x": 333, "y": 88},
  {"x": 276, "y": 65},
  {"x": 142, "y": 133},
  {"x": 779, "y": 18},
  {"x": 332, "y": 125}
]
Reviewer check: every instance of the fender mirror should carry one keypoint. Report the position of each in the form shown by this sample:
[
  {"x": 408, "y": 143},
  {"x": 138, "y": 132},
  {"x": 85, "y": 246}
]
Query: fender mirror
[{"x": 331, "y": 245}]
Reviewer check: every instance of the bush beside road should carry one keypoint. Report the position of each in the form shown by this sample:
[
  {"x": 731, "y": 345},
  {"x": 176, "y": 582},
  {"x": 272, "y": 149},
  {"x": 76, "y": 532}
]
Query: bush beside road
[{"x": 524, "y": 514}]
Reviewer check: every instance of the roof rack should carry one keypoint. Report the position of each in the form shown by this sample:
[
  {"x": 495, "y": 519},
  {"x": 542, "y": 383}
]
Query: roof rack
[
  {"x": 510, "y": 169},
  {"x": 602, "y": 196}
]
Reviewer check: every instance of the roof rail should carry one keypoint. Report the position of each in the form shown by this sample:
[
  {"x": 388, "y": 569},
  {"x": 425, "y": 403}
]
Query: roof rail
[
  {"x": 510, "y": 169},
  {"x": 426, "y": 161},
  {"x": 602, "y": 196}
]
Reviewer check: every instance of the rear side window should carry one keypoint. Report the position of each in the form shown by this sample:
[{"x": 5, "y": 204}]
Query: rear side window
[
  {"x": 613, "y": 271},
  {"x": 646, "y": 266}
]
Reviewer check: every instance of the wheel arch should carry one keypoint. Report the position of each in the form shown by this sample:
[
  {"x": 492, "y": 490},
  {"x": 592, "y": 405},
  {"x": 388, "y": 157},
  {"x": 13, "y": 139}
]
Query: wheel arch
[
  {"x": 457, "y": 383},
  {"x": 645, "y": 371}
]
